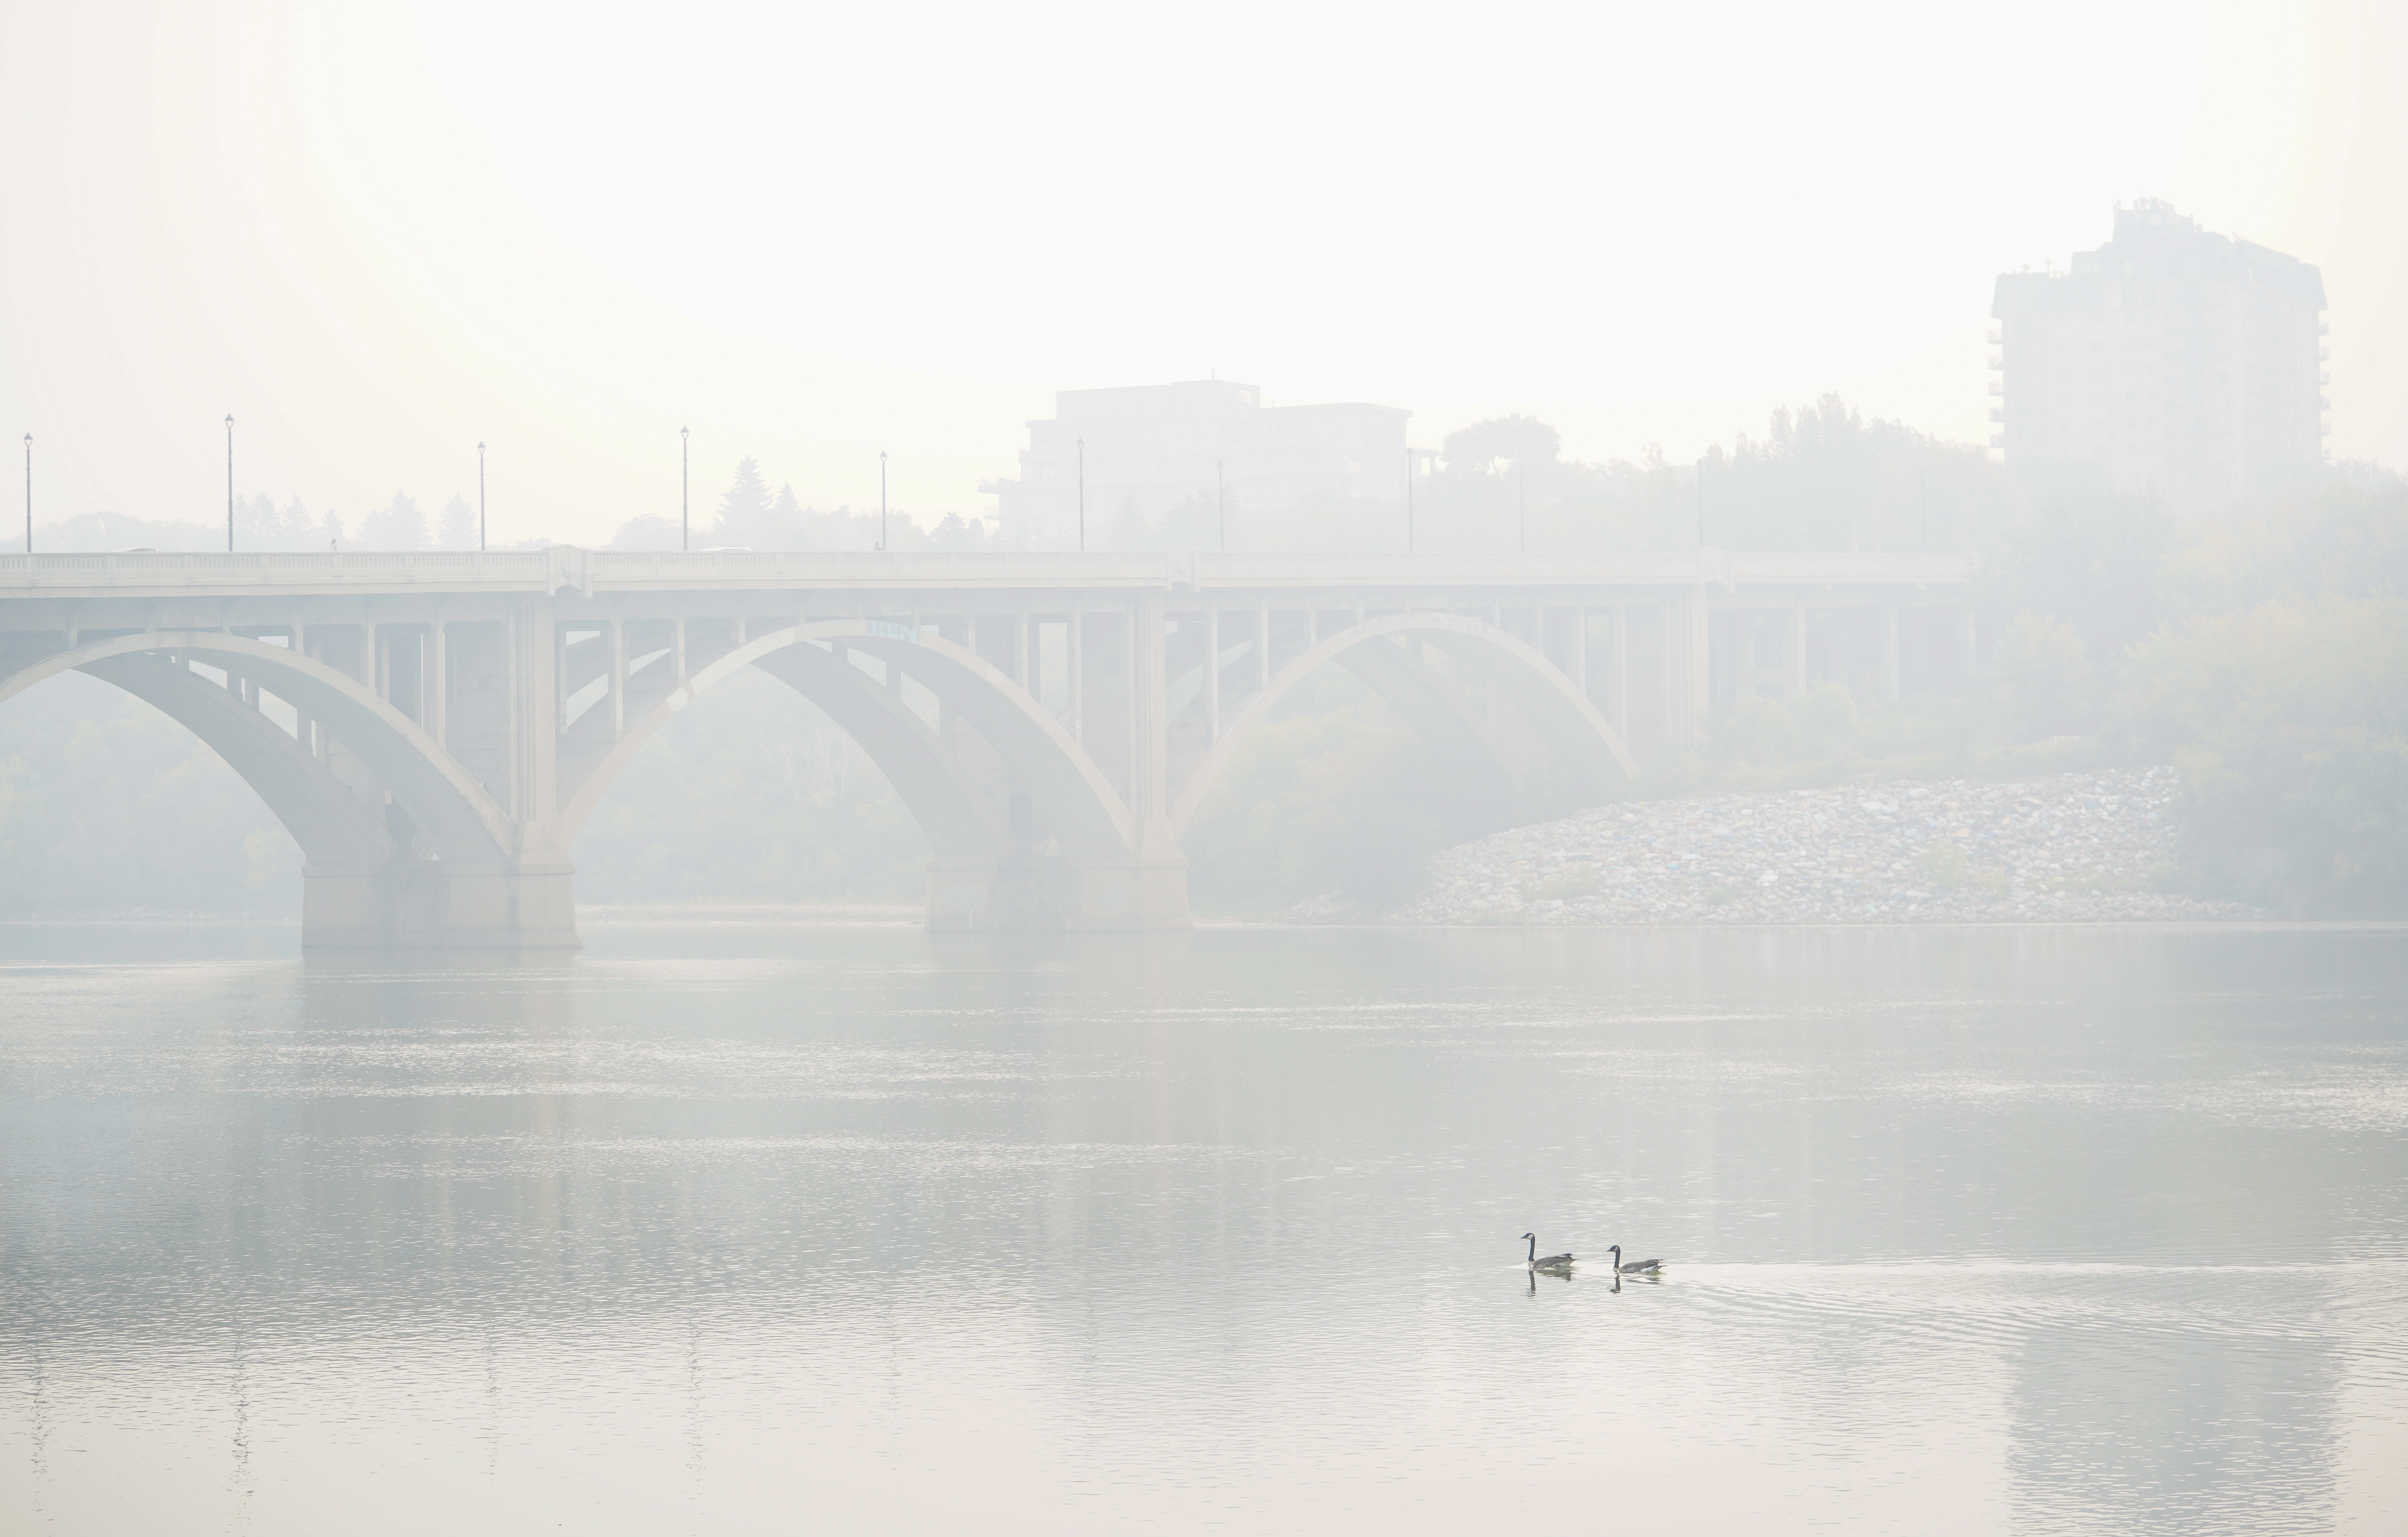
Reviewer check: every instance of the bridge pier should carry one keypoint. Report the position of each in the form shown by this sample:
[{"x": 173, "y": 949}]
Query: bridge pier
[{"x": 425, "y": 904}]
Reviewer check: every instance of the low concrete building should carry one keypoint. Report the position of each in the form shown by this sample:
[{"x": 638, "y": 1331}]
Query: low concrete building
[{"x": 1153, "y": 450}]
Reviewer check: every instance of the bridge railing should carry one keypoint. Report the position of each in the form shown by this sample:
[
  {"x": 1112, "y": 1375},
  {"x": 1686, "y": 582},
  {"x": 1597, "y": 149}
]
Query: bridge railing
[
  {"x": 272, "y": 568},
  {"x": 1641, "y": 568},
  {"x": 880, "y": 568}
]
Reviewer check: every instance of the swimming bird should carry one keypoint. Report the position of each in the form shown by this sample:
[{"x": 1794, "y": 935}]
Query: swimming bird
[
  {"x": 1637, "y": 1267},
  {"x": 1552, "y": 1262}
]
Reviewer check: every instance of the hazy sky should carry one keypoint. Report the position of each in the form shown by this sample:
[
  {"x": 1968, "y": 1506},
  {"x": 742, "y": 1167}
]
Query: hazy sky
[{"x": 377, "y": 233}]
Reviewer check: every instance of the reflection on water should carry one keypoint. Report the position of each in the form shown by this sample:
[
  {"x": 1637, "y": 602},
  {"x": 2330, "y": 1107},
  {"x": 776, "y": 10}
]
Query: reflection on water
[{"x": 2050, "y": 1230}]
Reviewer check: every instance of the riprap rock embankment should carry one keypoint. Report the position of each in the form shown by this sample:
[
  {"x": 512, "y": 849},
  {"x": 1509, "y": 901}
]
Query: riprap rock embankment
[{"x": 2068, "y": 848}]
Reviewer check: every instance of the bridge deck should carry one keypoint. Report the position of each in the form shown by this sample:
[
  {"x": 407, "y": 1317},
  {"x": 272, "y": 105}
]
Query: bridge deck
[{"x": 241, "y": 574}]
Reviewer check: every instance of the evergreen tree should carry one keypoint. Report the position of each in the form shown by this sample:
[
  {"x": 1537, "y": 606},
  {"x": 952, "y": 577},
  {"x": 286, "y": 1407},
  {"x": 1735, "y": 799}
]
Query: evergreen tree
[
  {"x": 256, "y": 523},
  {"x": 744, "y": 511},
  {"x": 787, "y": 522},
  {"x": 400, "y": 526},
  {"x": 259, "y": 525},
  {"x": 299, "y": 527},
  {"x": 459, "y": 526}
]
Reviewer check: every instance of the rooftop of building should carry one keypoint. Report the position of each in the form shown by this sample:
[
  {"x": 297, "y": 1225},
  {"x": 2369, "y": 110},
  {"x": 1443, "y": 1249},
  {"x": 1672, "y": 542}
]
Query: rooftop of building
[
  {"x": 2152, "y": 240},
  {"x": 1188, "y": 398}
]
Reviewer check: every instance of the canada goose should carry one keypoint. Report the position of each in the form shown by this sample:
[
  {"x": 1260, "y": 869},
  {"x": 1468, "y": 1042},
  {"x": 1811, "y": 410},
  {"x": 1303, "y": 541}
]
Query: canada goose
[
  {"x": 1552, "y": 1262},
  {"x": 1637, "y": 1267}
]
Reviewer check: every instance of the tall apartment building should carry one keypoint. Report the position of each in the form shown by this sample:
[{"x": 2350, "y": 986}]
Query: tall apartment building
[
  {"x": 2188, "y": 364},
  {"x": 1151, "y": 448}
]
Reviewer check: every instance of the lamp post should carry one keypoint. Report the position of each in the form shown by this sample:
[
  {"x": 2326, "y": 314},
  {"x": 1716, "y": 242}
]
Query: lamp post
[
  {"x": 1221, "y": 491},
  {"x": 881, "y": 498},
  {"x": 1521, "y": 511},
  {"x": 229, "y": 482},
  {"x": 1082, "y": 494},
  {"x": 685, "y": 489},
  {"x": 480, "y": 497},
  {"x": 1701, "y": 501},
  {"x": 1408, "y": 500},
  {"x": 29, "y": 493}
]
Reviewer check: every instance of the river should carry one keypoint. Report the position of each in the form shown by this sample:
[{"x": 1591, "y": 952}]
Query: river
[{"x": 2048, "y": 1229}]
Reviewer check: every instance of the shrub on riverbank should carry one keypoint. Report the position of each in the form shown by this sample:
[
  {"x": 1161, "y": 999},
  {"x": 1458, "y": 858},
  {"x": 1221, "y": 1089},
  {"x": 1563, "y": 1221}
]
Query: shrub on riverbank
[{"x": 2286, "y": 720}]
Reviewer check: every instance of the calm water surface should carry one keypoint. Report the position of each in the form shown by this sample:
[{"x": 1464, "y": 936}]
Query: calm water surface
[{"x": 2050, "y": 1231}]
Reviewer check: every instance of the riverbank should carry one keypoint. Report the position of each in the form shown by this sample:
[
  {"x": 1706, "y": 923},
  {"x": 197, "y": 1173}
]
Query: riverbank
[
  {"x": 750, "y": 914},
  {"x": 2068, "y": 848}
]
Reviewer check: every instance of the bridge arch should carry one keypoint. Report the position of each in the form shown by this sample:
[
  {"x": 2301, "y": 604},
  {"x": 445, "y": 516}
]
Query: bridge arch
[
  {"x": 323, "y": 815},
  {"x": 1573, "y": 730},
  {"x": 964, "y": 823}
]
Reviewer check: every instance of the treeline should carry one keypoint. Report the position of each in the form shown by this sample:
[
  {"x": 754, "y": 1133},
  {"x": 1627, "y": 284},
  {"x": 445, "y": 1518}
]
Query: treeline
[
  {"x": 260, "y": 524},
  {"x": 1823, "y": 478},
  {"x": 751, "y": 517},
  {"x": 2266, "y": 657}
]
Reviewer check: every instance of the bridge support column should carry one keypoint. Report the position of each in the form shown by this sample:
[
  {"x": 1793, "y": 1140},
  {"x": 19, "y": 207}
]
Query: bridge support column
[
  {"x": 424, "y": 904},
  {"x": 1889, "y": 678}
]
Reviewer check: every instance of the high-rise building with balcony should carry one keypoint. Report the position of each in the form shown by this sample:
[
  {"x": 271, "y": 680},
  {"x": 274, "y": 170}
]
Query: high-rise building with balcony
[{"x": 2190, "y": 365}]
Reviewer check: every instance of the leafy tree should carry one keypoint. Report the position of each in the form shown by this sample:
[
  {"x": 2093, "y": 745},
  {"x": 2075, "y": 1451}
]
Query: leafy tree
[
  {"x": 1827, "y": 478},
  {"x": 2097, "y": 561},
  {"x": 1510, "y": 439},
  {"x": 2348, "y": 536},
  {"x": 1195, "y": 524},
  {"x": 2047, "y": 675},
  {"x": 2286, "y": 720},
  {"x": 647, "y": 532},
  {"x": 954, "y": 532}
]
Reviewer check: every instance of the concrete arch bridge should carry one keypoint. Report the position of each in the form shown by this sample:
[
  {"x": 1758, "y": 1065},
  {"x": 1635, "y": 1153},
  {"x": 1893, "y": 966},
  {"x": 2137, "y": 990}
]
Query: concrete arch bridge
[{"x": 435, "y": 729}]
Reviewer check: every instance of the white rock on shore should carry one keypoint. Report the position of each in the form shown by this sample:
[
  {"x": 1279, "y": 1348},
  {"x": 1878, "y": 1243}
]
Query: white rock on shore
[{"x": 2068, "y": 848}]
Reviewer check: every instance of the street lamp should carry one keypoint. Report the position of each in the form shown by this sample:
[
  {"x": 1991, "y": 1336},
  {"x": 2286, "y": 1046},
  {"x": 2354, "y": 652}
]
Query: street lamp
[
  {"x": 1220, "y": 490},
  {"x": 29, "y": 493},
  {"x": 480, "y": 497},
  {"x": 881, "y": 498},
  {"x": 1408, "y": 500},
  {"x": 1521, "y": 511},
  {"x": 1082, "y": 494},
  {"x": 229, "y": 482},
  {"x": 685, "y": 489}
]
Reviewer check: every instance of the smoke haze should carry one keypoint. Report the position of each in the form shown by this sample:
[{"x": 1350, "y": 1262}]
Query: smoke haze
[{"x": 379, "y": 234}]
